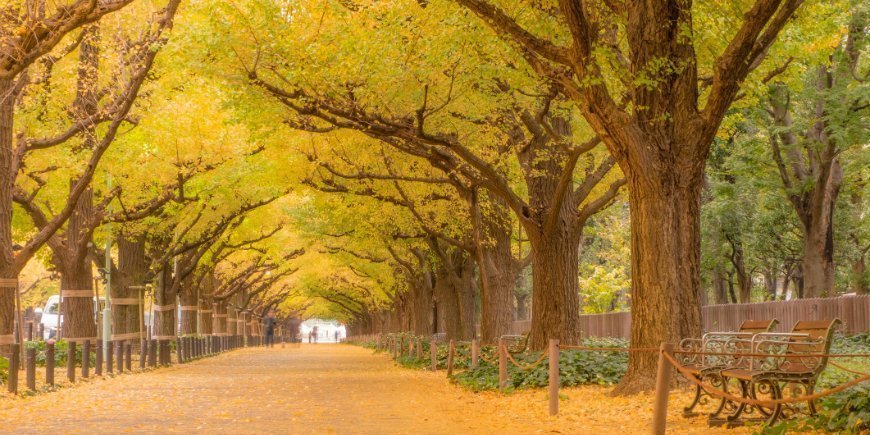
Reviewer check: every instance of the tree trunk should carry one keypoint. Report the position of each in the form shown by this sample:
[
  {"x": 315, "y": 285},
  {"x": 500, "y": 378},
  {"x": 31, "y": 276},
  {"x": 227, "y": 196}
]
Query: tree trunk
[
  {"x": 73, "y": 259},
  {"x": 189, "y": 306},
  {"x": 498, "y": 268},
  {"x": 819, "y": 258},
  {"x": 556, "y": 307},
  {"x": 522, "y": 306},
  {"x": 165, "y": 305},
  {"x": 132, "y": 267},
  {"x": 7, "y": 183},
  {"x": 665, "y": 265}
]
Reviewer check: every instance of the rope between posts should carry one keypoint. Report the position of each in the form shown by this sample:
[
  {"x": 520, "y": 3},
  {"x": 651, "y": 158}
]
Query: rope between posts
[
  {"x": 854, "y": 372},
  {"x": 766, "y": 403},
  {"x": 610, "y": 349},
  {"x": 526, "y": 366}
]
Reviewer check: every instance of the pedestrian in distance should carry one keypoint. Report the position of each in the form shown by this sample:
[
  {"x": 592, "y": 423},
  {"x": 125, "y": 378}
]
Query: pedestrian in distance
[{"x": 269, "y": 326}]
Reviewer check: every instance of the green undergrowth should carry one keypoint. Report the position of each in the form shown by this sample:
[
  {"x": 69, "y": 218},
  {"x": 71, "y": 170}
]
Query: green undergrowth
[{"x": 576, "y": 367}]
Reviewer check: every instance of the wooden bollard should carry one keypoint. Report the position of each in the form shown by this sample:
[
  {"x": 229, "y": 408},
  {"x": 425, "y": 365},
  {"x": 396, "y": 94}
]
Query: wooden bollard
[
  {"x": 178, "y": 345},
  {"x": 502, "y": 364},
  {"x": 475, "y": 353},
  {"x": 98, "y": 358},
  {"x": 14, "y": 366},
  {"x": 119, "y": 356},
  {"x": 162, "y": 350},
  {"x": 110, "y": 355},
  {"x": 49, "y": 364},
  {"x": 450, "y": 351},
  {"x": 128, "y": 355},
  {"x": 30, "y": 368},
  {"x": 663, "y": 386},
  {"x": 71, "y": 361},
  {"x": 152, "y": 353},
  {"x": 86, "y": 359},
  {"x": 553, "y": 372},
  {"x": 143, "y": 353},
  {"x": 433, "y": 354}
]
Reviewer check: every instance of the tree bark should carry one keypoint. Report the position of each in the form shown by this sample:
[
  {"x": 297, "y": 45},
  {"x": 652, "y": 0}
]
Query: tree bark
[
  {"x": 7, "y": 183},
  {"x": 556, "y": 294},
  {"x": 498, "y": 267},
  {"x": 131, "y": 271},
  {"x": 665, "y": 264},
  {"x": 72, "y": 258}
]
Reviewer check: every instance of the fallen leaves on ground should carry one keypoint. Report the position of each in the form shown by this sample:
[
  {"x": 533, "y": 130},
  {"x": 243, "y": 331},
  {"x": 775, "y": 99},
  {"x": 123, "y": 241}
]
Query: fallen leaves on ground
[{"x": 326, "y": 389}]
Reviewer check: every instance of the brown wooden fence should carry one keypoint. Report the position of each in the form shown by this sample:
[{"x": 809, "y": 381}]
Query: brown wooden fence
[{"x": 854, "y": 311}]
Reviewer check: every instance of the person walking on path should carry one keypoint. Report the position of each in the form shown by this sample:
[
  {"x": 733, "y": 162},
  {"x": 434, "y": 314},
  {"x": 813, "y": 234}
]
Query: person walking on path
[{"x": 269, "y": 324}]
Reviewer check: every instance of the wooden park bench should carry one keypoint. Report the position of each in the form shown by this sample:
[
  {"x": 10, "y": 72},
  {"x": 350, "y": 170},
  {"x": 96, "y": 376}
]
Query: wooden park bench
[
  {"x": 780, "y": 362},
  {"x": 706, "y": 366}
]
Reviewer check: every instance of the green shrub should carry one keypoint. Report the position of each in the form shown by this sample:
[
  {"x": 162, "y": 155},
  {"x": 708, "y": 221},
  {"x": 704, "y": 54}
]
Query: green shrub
[
  {"x": 4, "y": 369},
  {"x": 576, "y": 367}
]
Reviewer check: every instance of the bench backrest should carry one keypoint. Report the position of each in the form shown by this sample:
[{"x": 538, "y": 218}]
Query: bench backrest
[
  {"x": 757, "y": 326},
  {"x": 821, "y": 334}
]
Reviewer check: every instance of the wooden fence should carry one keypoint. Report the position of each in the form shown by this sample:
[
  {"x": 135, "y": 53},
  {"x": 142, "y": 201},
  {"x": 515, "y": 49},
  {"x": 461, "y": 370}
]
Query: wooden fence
[{"x": 854, "y": 311}]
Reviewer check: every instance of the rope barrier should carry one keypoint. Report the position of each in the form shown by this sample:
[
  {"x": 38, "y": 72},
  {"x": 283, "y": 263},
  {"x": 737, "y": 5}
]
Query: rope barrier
[
  {"x": 766, "y": 403},
  {"x": 610, "y": 349},
  {"x": 855, "y": 372},
  {"x": 526, "y": 366}
]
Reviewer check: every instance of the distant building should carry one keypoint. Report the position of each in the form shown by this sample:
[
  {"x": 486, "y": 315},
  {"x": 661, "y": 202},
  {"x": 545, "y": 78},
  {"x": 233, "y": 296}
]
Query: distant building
[{"x": 326, "y": 330}]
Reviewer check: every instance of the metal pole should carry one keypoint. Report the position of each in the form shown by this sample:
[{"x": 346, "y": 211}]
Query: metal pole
[{"x": 107, "y": 310}]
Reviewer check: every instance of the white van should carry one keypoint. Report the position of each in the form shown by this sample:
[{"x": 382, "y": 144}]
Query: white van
[{"x": 50, "y": 315}]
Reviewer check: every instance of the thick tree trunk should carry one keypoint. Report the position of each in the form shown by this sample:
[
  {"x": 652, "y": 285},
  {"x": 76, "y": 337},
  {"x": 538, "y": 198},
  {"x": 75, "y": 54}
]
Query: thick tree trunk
[
  {"x": 206, "y": 306},
  {"x": 165, "y": 305},
  {"x": 74, "y": 263},
  {"x": 819, "y": 259},
  {"x": 189, "y": 306},
  {"x": 556, "y": 307},
  {"x": 498, "y": 269},
  {"x": 421, "y": 300},
  {"x": 132, "y": 267},
  {"x": 7, "y": 182},
  {"x": 665, "y": 265},
  {"x": 465, "y": 293}
]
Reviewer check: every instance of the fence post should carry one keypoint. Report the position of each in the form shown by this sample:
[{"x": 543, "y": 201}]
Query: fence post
[
  {"x": 49, "y": 364},
  {"x": 143, "y": 353},
  {"x": 553, "y": 355},
  {"x": 30, "y": 368},
  {"x": 128, "y": 355},
  {"x": 450, "y": 351},
  {"x": 663, "y": 386},
  {"x": 98, "y": 358},
  {"x": 475, "y": 353},
  {"x": 110, "y": 352},
  {"x": 502, "y": 364},
  {"x": 14, "y": 359},
  {"x": 71, "y": 361},
  {"x": 86, "y": 359},
  {"x": 152, "y": 353},
  {"x": 119, "y": 356},
  {"x": 433, "y": 354}
]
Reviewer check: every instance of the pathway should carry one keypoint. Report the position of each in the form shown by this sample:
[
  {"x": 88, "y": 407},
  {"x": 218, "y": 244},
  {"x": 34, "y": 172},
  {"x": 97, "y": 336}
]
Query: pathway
[{"x": 318, "y": 389}]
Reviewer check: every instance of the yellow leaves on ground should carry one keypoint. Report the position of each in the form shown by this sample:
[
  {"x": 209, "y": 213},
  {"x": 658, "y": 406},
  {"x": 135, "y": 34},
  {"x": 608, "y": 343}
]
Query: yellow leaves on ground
[{"x": 325, "y": 389}]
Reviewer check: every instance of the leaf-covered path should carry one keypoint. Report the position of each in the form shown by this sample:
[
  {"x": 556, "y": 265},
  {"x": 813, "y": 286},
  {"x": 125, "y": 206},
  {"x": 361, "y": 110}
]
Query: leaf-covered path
[{"x": 319, "y": 389}]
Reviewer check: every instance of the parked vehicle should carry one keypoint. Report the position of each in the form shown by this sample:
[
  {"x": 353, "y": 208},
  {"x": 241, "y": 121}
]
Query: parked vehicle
[{"x": 50, "y": 316}]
